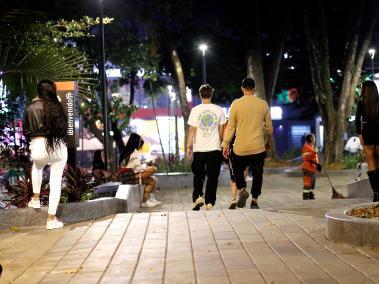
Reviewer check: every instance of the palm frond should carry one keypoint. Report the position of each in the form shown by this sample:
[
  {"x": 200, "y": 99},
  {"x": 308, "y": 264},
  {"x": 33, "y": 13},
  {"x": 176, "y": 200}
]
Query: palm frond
[{"x": 22, "y": 72}]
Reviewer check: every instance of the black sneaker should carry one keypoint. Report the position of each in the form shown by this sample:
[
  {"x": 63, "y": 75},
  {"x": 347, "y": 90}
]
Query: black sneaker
[
  {"x": 311, "y": 195},
  {"x": 254, "y": 205},
  {"x": 233, "y": 204},
  {"x": 244, "y": 195},
  {"x": 305, "y": 195}
]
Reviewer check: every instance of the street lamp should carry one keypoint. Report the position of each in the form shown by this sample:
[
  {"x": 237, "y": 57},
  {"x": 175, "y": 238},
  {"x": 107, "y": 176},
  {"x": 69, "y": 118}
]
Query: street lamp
[
  {"x": 203, "y": 47},
  {"x": 103, "y": 86},
  {"x": 371, "y": 52}
]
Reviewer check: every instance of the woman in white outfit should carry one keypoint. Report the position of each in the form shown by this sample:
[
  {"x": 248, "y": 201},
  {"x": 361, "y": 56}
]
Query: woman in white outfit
[{"x": 45, "y": 125}]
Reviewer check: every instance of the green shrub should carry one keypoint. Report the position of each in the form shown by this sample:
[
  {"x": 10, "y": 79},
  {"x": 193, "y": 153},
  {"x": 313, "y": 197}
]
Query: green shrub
[
  {"x": 349, "y": 161},
  {"x": 175, "y": 166}
]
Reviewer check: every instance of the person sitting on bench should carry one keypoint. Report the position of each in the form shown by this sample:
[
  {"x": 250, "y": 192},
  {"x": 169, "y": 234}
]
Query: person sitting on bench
[{"x": 130, "y": 161}]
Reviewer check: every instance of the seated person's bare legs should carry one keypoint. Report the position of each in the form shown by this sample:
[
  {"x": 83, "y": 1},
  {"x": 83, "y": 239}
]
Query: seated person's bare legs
[{"x": 150, "y": 183}]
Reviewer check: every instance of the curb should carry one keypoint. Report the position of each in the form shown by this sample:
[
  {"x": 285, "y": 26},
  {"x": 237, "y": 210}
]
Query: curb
[
  {"x": 352, "y": 230},
  {"x": 67, "y": 213}
]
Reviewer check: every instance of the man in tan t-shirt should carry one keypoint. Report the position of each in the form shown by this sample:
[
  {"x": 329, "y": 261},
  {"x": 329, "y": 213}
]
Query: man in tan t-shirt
[{"x": 250, "y": 122}]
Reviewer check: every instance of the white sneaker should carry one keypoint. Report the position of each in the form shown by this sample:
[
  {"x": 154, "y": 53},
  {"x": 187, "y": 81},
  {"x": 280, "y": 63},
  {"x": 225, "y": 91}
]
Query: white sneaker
[
  {"x": 198, "y": 203},
  {"x": 249, "y": 178},
  {"x": 148, "y": 204},
  {"x": 209, "y": 206},
  {"x": 53, "y": 224},
  {"x": 156, "y": 202},
  {"x": 152, "y": 199},
  {"x": 34, "y": 203}
]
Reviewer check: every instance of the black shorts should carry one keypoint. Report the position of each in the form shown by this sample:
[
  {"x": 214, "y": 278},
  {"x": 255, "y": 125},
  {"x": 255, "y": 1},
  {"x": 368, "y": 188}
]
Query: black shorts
[{"x": 370, "y": 133}]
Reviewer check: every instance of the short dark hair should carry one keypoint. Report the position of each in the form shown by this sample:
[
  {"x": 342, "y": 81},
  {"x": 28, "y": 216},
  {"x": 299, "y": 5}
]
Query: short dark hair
[
  {"x": 248, "y": 84},
  {"x": 206, "y": 91},
  {"x": 309, "y": 137}
]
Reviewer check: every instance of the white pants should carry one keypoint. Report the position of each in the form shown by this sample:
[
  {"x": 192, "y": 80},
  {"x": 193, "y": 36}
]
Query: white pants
[{"x": 57, "y": 161}]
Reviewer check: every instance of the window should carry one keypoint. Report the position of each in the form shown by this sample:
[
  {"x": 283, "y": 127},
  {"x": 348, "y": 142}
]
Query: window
[{"x": 297, "y": 133}]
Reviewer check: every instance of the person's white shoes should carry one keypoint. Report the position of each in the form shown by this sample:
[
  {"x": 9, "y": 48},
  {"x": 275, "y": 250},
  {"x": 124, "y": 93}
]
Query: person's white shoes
[
  {"x": 34, "y": 203},
  {"x": 249, "y": 178},
  {"x": 53, "y": 224},
  {"x": 198, "y": 203},
  {"x": 148, "y": 204},
  {"x": 209, "y": 206},
  {"x": 156, "y": 202},
  {"x": 152, "y": 199}
]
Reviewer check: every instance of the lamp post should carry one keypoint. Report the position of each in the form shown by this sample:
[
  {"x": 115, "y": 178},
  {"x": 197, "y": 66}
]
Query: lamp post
[
  {"x": 371, "y": 52},
  {"x": 203, "y": 47},
  {"x": 103, "y": 86}
]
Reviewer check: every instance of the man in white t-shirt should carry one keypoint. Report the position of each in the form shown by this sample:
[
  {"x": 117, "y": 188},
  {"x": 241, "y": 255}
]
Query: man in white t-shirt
[{"x": 204, "y": 145}]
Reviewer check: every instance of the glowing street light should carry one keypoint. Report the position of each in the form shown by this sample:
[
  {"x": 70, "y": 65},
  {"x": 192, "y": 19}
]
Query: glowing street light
[
  {"x": 371, "y": 52},
  {"x": 203, "y": 47}
]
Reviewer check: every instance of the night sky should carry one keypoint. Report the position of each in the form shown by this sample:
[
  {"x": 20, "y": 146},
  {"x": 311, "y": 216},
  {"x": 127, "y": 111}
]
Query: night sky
[{"x": 226, "y": 27}]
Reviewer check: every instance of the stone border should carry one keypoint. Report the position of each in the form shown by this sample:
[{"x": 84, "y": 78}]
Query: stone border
[
  {"x": 67, "y": 213},
  {"x": 352, "y": 230}
]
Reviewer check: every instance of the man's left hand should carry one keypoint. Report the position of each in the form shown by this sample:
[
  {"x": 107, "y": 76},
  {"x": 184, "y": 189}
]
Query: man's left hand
[
  {"x": 189, "y": 153},
  {"x": 268, "y": 145}
]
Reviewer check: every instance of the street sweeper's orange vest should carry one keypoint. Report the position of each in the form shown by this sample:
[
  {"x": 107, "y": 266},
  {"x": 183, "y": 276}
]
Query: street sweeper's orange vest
[{"x": 310, "y": 158}]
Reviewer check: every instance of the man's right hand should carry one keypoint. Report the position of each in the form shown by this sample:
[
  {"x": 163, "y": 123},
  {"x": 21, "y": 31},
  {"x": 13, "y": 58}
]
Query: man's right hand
[{"x": 225, "y": 153}]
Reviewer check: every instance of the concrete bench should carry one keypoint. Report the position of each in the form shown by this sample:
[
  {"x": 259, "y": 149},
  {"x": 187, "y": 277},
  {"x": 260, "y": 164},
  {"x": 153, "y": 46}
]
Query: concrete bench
[{"x": 132, "y": 193}]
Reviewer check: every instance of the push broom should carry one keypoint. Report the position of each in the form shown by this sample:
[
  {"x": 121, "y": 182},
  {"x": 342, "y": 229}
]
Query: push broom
[{"x": 335, "y": 193}]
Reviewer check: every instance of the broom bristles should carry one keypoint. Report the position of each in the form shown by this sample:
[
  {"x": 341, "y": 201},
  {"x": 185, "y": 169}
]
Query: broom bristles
[{"x": 336, "y": 194}]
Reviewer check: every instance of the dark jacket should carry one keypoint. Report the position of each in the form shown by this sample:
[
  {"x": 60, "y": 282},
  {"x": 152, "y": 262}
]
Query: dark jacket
[{"x": 33, "y": 120}]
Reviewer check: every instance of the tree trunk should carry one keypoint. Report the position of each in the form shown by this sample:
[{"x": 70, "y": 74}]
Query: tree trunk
[
  {"x": 156, "y": 123},
  {"x": 182, "y": 90},
  {"x": 117, "y": 136},
  {"x": 132, "y": 84},
  {"x": 335, "y": 120},
  {"x": 255, "y": 71},
  {"x": 112, "y": 159},
  {"x": 329, "y": 141},
  {"x": 177, "y": 153},
  {"x": 273, "y": 73}
]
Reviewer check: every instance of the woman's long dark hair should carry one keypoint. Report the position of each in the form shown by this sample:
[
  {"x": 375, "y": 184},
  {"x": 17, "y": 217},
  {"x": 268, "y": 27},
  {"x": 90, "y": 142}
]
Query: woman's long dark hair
[
  {"x": 135, "y": 142},
  {"x": 370, "y": 100},
  {"x": 54, "y": 117}
]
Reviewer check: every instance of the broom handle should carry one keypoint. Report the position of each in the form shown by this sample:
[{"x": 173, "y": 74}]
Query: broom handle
[{"x": 326, "y": 173}]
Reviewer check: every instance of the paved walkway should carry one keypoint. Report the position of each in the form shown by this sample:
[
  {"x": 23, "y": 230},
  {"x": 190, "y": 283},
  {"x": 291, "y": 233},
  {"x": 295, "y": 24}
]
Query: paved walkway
[{"x": 284, "y": 242}]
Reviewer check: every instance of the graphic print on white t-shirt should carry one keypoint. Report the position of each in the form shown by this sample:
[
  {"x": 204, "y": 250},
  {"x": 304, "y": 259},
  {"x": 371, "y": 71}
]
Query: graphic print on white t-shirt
[
  {"x": 207, "y": 122},
  {"x": 206, "y": 118}
]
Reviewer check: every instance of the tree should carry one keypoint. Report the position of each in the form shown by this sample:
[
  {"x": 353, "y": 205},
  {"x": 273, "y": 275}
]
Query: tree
[
  {"x": 32, "y": 50},
  {"x": 335, "y": 105},
  {"x": 163, "y": 24},
  {"x": 265, "y": 72}
]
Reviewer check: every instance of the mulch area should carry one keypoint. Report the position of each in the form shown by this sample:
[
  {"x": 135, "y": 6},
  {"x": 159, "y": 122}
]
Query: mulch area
[{"x": 369, "y": 212}]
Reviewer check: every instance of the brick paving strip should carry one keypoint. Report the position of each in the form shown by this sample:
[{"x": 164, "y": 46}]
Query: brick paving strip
[{"x": 218, "y": 246}]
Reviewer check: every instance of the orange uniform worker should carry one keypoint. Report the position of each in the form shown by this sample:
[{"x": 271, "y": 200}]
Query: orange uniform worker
[{"x": 310, "y": 166}]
